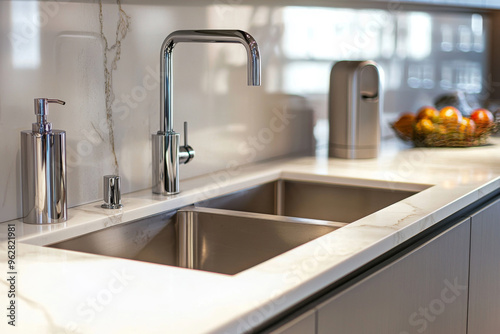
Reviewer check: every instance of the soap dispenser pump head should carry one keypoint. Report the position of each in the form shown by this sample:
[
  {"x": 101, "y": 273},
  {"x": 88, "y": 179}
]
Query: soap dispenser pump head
[{"x": 41, "y": 112}]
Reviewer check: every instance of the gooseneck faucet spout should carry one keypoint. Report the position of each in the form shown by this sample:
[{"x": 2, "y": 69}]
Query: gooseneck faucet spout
[
  {"x": 167, "y": 152},
  {"x": 201, "y": 36}
]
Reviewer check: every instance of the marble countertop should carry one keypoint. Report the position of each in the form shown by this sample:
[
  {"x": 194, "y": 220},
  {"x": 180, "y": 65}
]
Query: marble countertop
[{"x": 60, "y": 291}]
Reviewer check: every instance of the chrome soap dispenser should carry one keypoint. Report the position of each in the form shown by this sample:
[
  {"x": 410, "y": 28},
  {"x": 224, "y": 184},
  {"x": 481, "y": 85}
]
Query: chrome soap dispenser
[
  {"x": 354, "y": 110},
  {"x": 43, "y": 169}
]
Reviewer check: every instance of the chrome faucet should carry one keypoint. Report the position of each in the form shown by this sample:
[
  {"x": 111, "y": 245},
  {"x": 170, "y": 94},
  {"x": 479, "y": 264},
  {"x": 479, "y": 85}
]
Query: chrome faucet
[{"x": 167, "y": 152}]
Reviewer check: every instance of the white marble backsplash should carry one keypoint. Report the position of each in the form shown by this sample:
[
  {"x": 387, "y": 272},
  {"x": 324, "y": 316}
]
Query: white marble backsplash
[
  {"x": 59, "y": 50},
  {"x": 228, "y": 121}
]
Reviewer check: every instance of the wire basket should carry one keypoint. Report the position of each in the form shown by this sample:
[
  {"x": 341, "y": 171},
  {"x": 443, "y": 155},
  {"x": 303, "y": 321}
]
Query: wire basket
[{"x": 448, "y": 135}]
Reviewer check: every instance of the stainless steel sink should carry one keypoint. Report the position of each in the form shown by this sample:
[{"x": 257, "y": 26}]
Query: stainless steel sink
[
  {"x": 237, "y": 231},
  {"x": 214, "y": 240},
  {"x": 323, "y": 201}
]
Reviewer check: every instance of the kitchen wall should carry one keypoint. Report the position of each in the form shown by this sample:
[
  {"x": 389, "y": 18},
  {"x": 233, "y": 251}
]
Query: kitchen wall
[{"x": 104, "y": 61}]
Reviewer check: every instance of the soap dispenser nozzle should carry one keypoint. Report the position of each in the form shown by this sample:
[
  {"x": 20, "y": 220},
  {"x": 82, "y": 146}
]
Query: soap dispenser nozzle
[{"x": 41, "y": 112}]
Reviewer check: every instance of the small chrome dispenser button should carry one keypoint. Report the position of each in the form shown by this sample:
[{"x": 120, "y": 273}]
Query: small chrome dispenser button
[{"x": 112, "y": 195}]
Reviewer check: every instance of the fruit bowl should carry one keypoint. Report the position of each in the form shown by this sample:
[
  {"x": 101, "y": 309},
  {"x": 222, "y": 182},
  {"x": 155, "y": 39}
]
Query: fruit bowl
[{"x": 446, "y": 128}]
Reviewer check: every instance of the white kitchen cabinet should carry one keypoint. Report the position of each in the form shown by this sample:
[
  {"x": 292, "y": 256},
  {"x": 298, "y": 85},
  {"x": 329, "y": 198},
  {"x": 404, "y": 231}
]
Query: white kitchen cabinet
[
  {"x": 303, "y": 324},
  {"x": 484, "y": 284},
  {"x": 424, "y": 291}
]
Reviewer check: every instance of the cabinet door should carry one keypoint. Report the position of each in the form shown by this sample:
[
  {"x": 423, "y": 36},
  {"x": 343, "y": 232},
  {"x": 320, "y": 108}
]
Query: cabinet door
[
  {"x": 303, "y": 324},
  {"x": 424, "y": 291},
  {"x": 484, "y": 286}
]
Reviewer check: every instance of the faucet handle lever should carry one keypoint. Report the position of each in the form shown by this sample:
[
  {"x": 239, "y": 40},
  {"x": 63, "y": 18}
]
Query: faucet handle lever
[{"x": 186, "y": 152}]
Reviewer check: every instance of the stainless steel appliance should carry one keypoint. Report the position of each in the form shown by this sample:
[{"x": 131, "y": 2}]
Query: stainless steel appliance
[{"x": 354, "y": 110}]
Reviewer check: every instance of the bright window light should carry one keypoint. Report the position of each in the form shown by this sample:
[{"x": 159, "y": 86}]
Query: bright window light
[
  {"x": 419, "y": 41},
  {"x": 25, "y": 34}
]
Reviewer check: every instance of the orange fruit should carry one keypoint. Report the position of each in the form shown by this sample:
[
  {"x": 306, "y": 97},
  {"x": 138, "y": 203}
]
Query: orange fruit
[
  {"x": 424, "y": 126},
  {"x": 483, "y": 119},
  {"x": 429, "y": 113},
  {"x": 442, "y": 130},
  {"x": 450, "y": 116},
  {"x": 467, "y": 127},
  {"x": 405, "y": 124}
]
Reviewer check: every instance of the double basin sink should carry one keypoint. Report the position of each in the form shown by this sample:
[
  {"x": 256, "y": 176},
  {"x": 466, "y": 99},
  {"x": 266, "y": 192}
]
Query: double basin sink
[{"x": 237, "y": 231}]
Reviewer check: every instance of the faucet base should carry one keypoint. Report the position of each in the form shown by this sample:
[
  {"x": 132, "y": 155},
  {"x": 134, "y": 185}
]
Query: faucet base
[{"x": 166, "y": 163}]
